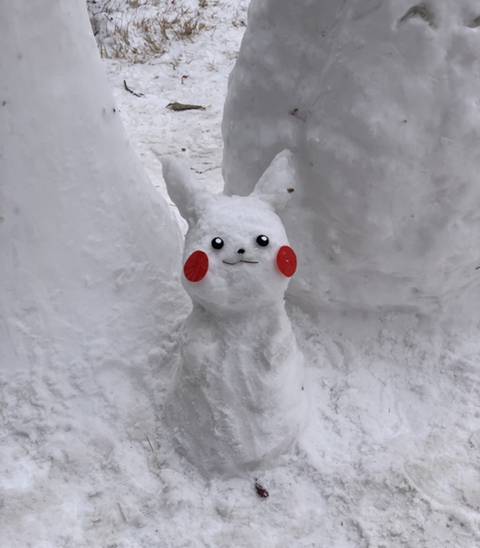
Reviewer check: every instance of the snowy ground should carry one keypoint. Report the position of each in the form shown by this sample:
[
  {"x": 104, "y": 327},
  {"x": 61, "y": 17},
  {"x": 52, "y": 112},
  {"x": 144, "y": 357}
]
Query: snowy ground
[
  {"x": 391, "y": 454},
  {"x": 390, "y": 457},
  {"x": 192, "y": 71}
]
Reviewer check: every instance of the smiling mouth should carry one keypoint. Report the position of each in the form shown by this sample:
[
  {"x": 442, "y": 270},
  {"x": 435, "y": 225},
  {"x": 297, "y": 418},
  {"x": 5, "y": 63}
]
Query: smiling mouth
[{"x": 241, "y": 261}]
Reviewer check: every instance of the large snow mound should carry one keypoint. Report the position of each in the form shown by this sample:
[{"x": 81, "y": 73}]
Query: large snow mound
[
  {"x": 86, "y": 241},
  {"x": 379, "y": 102},
  {"x": 88, "y": 255}
]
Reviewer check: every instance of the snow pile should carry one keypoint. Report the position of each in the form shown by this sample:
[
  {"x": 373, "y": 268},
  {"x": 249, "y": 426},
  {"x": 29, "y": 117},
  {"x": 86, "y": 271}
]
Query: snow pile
[
  {"x": 86, "y": 240},
  {"x": 379, "y": 103},
  {"x": 89, "y": 252},
  {"x": 141, "y": 29},
  {"x": 238, "y": 399}
]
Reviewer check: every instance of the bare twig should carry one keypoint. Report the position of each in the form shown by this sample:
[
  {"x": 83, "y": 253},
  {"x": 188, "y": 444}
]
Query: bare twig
[
  {"x": 184, "y": 106},
  {"x": 121, "y": 512},
  {"x": 130, "y": 90},
  {"x": 149, "y": 443}
]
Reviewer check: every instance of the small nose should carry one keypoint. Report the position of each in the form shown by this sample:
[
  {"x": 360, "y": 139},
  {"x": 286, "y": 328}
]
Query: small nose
[{"x": 241, "y": 251}]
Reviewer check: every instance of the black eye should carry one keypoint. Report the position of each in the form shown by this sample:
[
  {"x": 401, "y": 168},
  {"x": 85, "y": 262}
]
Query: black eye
[
  {"x": 217, "y": 243},
  {"x": 263, "y": 240}
]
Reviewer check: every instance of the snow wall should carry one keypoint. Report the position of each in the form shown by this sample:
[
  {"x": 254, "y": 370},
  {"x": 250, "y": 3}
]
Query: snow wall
[
  {"x": 378, "y": 99},
  {"x": 87, "y": 246}
]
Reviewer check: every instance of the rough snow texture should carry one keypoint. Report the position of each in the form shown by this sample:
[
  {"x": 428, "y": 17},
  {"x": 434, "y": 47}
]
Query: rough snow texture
[
  {"x": 238, "y": 399},
  {"x": 89, "y": 252},
  {"x": 85, "y": 239},
  {"x": 379, "y": 102},
  {"x": 390, "y": 455}
]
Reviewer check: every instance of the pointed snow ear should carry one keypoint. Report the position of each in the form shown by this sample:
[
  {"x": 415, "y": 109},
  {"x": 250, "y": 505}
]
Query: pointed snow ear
[
  {"x": 181, "y": 189},
  {"x": 276, "y": 185}
]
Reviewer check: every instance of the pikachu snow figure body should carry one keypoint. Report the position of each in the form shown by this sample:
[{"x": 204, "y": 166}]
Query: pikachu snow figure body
[{"x": 238, "y": 398}]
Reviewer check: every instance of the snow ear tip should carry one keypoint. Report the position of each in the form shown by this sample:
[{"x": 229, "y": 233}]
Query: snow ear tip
[
  {"x": 276, "y": 179},
  {"x": 179, "y": 187},
  {"x": 189, "y": 199}
]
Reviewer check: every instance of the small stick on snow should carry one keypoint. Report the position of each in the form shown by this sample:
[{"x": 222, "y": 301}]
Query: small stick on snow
[
  {"x": 150, "y": 443},
  {"x": 130, "y": 90},
  {"x": 121, "y": 512},
  {"x": 178, "y": 107}
]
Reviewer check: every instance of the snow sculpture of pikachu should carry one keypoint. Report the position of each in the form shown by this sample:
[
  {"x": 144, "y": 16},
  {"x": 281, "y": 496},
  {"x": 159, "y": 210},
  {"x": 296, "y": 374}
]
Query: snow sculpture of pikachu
[{"x": 238, "y": 399}]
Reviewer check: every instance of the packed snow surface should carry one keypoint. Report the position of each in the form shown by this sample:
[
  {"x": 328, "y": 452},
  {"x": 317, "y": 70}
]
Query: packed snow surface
[
  {"x": 85, "y": 240},
  {"x": 390, "y": 457},
  {"x": 378, "y": 100}
]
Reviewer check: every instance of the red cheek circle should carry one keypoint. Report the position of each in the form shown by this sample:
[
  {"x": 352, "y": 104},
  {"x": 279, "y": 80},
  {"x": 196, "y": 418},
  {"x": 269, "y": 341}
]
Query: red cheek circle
[
  {"x": 196, "y": 266},
  {"x": 287, "y": 261}
]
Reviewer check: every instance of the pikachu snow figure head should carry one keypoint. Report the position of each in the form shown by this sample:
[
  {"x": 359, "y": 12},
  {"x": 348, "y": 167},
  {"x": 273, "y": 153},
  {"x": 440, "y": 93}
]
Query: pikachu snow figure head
[{"x": 237, "y": 255}]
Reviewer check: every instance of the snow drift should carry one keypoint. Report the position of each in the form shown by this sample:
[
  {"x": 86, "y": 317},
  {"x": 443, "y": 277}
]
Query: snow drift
[
  {"x": 379, "y": 102},
  {"x": 85, "y": 240}
]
